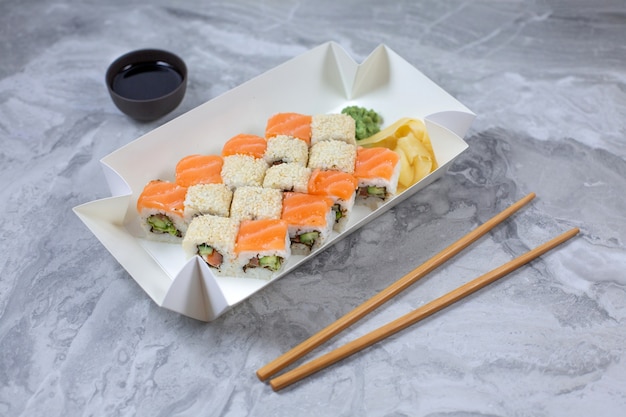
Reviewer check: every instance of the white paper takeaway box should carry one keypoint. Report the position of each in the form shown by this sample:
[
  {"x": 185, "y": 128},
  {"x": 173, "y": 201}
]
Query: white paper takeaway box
[{"x": 323, "y": 80}]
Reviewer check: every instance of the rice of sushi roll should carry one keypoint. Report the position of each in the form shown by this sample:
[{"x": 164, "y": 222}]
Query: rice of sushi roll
[
  {"x": 243, "y": 170},
  {"x": 340, "y": 127},
  {"x": 253, "y": 203},
  {"x": 310, "y": 219},
  {"x": 199, "y": 169},
  {"x": 333, "y": 154},
  {"x": 287, "y": 177},
  {"x": 377, "y": 171},
  {"x": 161, "y": 207},
  {"x": 213, "y": 239},
  {"x": 212, "y": 199},
  {"x": 286, "y": 149},
  {"x": 341, "y": 188},
  {"x": 262, "y": 248}
]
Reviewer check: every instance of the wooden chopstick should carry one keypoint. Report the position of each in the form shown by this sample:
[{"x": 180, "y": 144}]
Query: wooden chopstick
[
  {"x": 413, "y": 317},
  {"x": 388, "y": 293}
]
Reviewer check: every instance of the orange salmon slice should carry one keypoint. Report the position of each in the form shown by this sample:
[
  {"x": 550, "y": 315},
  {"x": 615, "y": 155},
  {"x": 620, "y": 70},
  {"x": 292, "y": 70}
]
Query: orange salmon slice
[
  {"x": 375, "y": 163},
  {"x": 290, "y": 124},
  {"x": 162, "y": 195},
  {"x": 245, "y": 144},
  {"x": 261, "y": 235},
  {"x": 301, "y": 209},
  {"x": 332, "y": 183},
  {"x": 199, "y": 169}
]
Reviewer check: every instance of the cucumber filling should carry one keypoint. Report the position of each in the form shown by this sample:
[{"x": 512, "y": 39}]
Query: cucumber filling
[
  {"x": 205, "y": 250},
  {"x": 160, "y": 223},
  {"x": 308, "y": 238},
  {"x": 272, "y": 262},
  {"x": 338, "y": 213},
  {"x": 376, "y": 191}
]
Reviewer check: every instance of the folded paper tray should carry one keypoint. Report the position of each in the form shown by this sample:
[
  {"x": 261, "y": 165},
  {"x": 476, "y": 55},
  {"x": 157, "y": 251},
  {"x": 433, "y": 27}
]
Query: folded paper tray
[{"x": 329, "y": 79}]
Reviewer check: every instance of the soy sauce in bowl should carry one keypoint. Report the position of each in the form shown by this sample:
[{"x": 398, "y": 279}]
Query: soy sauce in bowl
[
  {"x": 146, "y": 80},
  {"x": 147, "y": 84}
]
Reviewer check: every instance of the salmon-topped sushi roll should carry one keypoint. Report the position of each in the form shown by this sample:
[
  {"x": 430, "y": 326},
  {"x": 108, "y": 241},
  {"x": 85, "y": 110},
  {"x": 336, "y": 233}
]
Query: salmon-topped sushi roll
[
  {"x": 199, "y": 169},
  {"x": 245, "y": 144},
  {"x": 290, "y": 124},
  {"x": 377, "y": 170},
  {"x": 262, "y": 247},
  {"x": 340, "y": 187},
  {"x": 310, "y": 219},
  {"x": 213, "y": 239},
  {"x": 161, "y": 207}
]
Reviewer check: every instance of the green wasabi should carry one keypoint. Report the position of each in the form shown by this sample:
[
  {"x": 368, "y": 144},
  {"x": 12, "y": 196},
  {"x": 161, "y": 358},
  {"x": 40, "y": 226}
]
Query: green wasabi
[{"x": 367, "y": 121}]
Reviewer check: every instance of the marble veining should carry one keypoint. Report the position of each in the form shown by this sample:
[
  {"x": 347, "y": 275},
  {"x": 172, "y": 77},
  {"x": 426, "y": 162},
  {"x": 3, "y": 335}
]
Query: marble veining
[{"x": 547, "y": 80}]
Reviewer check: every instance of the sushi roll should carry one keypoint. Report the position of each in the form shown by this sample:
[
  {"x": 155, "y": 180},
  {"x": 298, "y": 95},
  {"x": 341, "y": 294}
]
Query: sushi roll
[
  {"x": 199, "y": 169},
  {"x": 243, "y": 170},
  {"x": 333, "y": 154},
  {"x": 252, "y": 203},
  {"x": 286, "y": 149},
  {"x": 287, "y": 177},
  {"x": 340, "y": 187},
  {"x": 245, "y": 144},
  {"x": 333, "y": 127},
  {"x": 377, "y": 170},
  {"x": 161, "y": 207},
  {"x": 212, "y": 199},
  {"x": 291, "y": 124},
  {"x": 262, "y": 248},
  {"x": 213, "y": 239},
  {"x": 310, "y": 219}
]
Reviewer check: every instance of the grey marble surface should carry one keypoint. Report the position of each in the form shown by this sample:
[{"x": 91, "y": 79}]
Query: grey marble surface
[{"x": 547, "y": 80}]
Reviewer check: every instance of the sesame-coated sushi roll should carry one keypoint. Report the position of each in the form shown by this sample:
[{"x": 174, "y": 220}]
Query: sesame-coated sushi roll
[
  {"x": 287, "y": 177},
  {"x": 377, "y": 170},
  {"x": 340, "y": 187},
  {"x": 333, "y": 154},
  {"x": 213, "y": 239},
  {"x": 286, "y": 149},
  {"x": 243, "y": 170},
  {"x": 212, "y": 199},
  {"x": 310, "y": 219},
  {"x": 291, "y": 124},
  {"x": 252, "y": 203},
  {"x": 333, "y": 127},
  {"x": 161, "y": 207},
  {"x": 199, "y": 169},
  {"x": 262, "y": 247},
  {"x": 245, "y": 144}
]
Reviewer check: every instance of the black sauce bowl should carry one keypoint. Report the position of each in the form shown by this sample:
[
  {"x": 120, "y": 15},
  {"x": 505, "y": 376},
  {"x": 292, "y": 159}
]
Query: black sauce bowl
[{"x": 147, "y": 84}]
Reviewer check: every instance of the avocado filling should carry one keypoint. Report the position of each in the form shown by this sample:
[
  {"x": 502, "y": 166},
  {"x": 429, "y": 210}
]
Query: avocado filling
[{"x": 160, "y": 223}]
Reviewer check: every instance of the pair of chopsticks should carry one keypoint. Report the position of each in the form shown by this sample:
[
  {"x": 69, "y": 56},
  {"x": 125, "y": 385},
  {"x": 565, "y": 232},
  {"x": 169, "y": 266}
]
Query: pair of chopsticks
[{"x": 409, "y": 319}]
